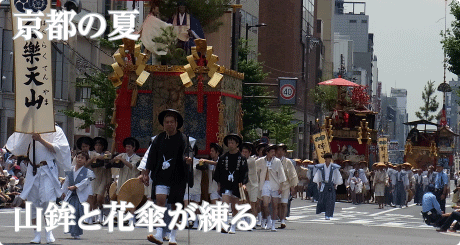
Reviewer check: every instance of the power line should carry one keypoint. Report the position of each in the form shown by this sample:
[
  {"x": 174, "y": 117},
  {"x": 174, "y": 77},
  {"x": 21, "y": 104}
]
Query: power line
[
  {"x": 94, "y": 45},
  {"x": 287, "y": 72},
  {"x": 82, "y": 60}
]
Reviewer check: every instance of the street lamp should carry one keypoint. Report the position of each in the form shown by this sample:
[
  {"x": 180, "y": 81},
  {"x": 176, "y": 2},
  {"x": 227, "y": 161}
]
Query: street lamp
[
  {"x": 247, "y": 31},
  {"x": 249, "y": 27}
]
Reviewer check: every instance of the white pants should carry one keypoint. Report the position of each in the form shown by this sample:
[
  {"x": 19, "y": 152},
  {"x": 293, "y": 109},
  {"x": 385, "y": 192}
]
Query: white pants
[
  {"x": 267, "y": 192},
  {"x": 162, "y": 190}
]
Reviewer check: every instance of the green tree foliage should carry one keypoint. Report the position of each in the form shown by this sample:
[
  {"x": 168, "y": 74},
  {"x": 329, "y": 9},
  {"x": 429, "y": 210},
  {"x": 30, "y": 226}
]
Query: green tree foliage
[
  {"x": 102, "y": 96},
  {"x": 325, "y": 97},
  {"x": 174, "y": 55},
  {"x": 206, "y": 12},
  {"x": 429, "y": 102},
  {"x": 282, "y": 125},
  {"x": 451, "y": 41},
  {"x": 257, "y": 113}
]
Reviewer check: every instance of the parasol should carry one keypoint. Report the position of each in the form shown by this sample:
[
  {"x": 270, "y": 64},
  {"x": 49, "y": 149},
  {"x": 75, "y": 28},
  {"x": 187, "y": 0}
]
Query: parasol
[{"x": 339, "y": 82}]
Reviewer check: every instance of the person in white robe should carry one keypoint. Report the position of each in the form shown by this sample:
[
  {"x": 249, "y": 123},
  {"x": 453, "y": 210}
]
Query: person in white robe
[
  {"x": 380, "y": 182},
  {"x": 356, "y": 187},
  {"x": 151, "y": 28},
  {"x": 42, "y": 184},
  {"x": 76, "y": 189},
  {"x": 327, "y": 178}
]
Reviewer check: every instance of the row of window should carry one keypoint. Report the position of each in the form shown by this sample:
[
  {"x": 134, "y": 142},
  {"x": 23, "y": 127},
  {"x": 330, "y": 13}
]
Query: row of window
[{"x": 355, "y": 21}]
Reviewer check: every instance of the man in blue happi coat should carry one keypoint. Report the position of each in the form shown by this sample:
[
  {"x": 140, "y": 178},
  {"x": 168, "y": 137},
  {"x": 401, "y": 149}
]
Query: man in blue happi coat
[{"x": 327, "y": 177}]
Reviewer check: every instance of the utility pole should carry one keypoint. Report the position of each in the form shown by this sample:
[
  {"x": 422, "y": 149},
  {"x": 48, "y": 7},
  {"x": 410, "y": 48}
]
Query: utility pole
[
  {"x": 310, "y": 41},
  {"x": 235, "y": 34},
  {"x": 306, "y": 137}
]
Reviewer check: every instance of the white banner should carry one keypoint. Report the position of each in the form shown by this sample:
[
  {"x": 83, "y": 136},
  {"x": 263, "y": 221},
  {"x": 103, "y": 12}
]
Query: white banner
[{"x": 32, "y": 64}]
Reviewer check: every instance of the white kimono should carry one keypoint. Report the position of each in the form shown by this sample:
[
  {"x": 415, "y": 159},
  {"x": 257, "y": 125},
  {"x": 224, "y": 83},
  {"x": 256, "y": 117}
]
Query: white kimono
[
  {"x": 362, "y": 176},
  {"x": 336, "y": 176},
  {"x": 126, "y": 173},
  {"x": 84, "y": 188},
  {"x": 44, "y": 186}
]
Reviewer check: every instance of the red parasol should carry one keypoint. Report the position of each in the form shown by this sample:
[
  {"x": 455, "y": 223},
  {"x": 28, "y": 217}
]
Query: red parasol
[{"x": 339, "y": 82}]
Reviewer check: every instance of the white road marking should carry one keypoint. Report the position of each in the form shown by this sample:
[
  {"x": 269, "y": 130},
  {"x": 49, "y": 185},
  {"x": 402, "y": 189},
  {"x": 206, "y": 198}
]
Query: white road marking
[{"x": 387, "y": 211}]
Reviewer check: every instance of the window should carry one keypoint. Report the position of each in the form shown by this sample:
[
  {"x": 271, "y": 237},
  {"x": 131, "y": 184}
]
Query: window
[
  {"x": 243, "y": 17},
  {"x": 249, "y": 19},
  {"x": 82, "y": 93},
  {"x": 10, "y": 121},
  {"x": 255, "y": 21},
  {"x": 363, "y": 21},
  {"x": 85, "y": 92},
  {"x": 308, "y": 19},
  {"x": 353, "y": 21},
  {"x": 6, "y": 66}
]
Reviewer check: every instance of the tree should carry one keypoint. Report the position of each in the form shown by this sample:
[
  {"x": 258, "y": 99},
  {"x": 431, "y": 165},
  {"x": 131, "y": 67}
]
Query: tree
[
  {"x": 102, "y": 96},
  {"x": 429, "y": 102},
  {"x": 256, "y": 112},
  {"x": 282, "y": 125},
  {"x": 174, "y": 55},
  {"x": 206, "y": 12},
  {"x": 325, "y": 97},
  {"x": 451, "y": 40}
]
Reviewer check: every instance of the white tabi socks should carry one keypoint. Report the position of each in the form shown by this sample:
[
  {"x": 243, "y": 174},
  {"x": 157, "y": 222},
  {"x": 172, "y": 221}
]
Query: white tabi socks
[
  {"x": 269, "y": 222},
  {"x": 273, "y": 226},
  {"x": 37, "y": 237},
  {"x": 132, "y": 220},
  {"x": 50, "y": 237},
  {"x": 259, "y": 219},
  {"x": 159, "y": 234},
  {"x": 232, "y": 229},
  {"x": 173, "y": 237}
]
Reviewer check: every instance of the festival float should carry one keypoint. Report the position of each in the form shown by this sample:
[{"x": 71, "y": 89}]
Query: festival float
[
  {"x": 350, "y": 127},
  {"x": 206, "y": 94},
  {"x": 348, "y": 131},
  {"x": 425, "y": 147}
]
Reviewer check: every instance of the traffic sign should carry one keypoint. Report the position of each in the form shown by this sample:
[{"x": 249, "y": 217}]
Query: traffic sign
[{"x": 287, "y": 90}]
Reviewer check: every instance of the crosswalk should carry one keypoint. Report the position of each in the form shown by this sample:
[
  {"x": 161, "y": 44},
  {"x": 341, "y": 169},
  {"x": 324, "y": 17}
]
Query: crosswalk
[{"x": 354, "y": 216}]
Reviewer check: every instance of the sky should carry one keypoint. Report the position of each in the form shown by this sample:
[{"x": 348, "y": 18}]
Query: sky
[{"x": 407, "y": 45}]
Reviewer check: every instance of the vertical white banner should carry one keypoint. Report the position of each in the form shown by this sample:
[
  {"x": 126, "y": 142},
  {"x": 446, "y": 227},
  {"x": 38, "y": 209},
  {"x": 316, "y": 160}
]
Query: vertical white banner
[{"x": 32, "y": 63}]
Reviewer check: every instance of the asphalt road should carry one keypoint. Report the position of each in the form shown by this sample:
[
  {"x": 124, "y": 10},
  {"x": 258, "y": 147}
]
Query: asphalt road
[{"x": 352, "y": 224}]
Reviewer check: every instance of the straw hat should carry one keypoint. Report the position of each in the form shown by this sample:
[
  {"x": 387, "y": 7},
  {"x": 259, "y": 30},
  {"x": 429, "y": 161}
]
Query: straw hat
[
  {"x": 113, "y": 191},
  {"x": 131, "y": 191},
  {"x": 407, "y": 164},
  {"x": 307, "y": 161}
]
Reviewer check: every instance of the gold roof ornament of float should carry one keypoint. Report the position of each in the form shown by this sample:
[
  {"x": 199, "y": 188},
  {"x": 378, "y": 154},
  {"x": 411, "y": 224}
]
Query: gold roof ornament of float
[
  {"x": 200, "y": 51},
  {"x": 127, "y": 51}
]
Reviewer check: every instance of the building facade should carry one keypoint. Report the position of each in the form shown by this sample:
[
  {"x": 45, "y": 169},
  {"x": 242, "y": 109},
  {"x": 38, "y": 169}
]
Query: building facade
[{"x": 283, "y": 49}]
